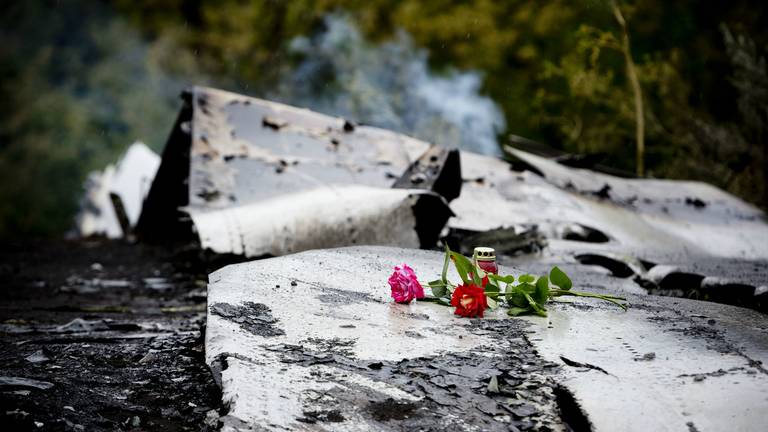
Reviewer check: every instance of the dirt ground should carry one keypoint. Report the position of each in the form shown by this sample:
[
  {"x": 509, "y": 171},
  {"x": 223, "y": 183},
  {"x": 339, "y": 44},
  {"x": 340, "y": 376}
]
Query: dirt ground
[{"x": 104, "y": 335}]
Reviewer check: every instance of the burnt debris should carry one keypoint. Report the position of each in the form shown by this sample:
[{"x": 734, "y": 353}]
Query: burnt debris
[
  {"x": 438, "y": 170},
  {"x": 314, "y": 181},
  {"x": 254, "y": 317},
  {"x": 120, "y": 354},
  {"x": 217, "y": 164},
  {"x": 247, "y": 178}
]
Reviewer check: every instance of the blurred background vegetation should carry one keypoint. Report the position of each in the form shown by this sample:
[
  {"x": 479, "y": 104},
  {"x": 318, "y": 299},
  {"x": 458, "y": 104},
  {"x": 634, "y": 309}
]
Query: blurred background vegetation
[{"x": 81, "y": 80}]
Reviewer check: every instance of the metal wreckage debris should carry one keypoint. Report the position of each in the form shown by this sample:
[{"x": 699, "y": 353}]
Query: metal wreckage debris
[
  {"x": 674, "y": 238},
  {"x": 310, "y": 341},
  {"x": 257, "y": 179},
  {"x": 114, "y": 197}
]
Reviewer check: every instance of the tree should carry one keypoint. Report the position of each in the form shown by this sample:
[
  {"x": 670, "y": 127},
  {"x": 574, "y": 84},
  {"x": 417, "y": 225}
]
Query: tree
[{"x": 636, "y": 89}]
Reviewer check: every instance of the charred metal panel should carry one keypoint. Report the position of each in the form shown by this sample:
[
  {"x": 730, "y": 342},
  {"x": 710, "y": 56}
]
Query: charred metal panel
[
  {"x": 665, "y": 364},
  {"x": 113, "y": 198},
  {"x": 648, "y": 219},
  {"x": 246, "y": 150},
  {"x": 438, "y": 170},
  {"x": 322, "y": 217},
  {"x": 161, "y": 218},
  {"x": 347, "y": 358},
  {"x": 619, "y": 231},
  {"x": 699, "y": 218},
  {"x": 235, "y": 165}
]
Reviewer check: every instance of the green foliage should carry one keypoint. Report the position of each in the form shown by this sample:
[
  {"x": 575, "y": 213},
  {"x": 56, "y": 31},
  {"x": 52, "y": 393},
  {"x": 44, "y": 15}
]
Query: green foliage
[
  {"x": 81, "y": 80},
  {"x": 528, "y": 296},
  {"x": 541, "y": 294},
  {"x": 76, "y": 91},
  {"x": 492, "y": 290},
  {"x": 446, "y": 262},
  {"x": 466, "y": 269},
  {"x": 439, "y": 288},
  {"x": 559, "y": 278},
  {"x": 506, "y": 279},
  {"x": 526, "y": 278},
  {"x": 554, "y": 66}
]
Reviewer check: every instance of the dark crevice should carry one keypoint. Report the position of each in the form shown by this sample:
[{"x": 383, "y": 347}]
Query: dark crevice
[
  {"x": 570, "y": 411},
  {"x": 698, "y": 287},
  {"x": 161, "y": 220},
  {"x": 574, "y": 363},
  {"x": 645, "y": 283},
  {"x": 729, "y": 293},
  {"x": 431, "y": 213},
  {"x": 583, "y": 233},
  {"x": 506, "y": 241},
  {"x": 681, "y": 281},
  {"x": 681, "y": 284},
  {"x": 616, "y": 267},
  {"x": 520, "y": 165},
  {"x": 438, "y": 170}
]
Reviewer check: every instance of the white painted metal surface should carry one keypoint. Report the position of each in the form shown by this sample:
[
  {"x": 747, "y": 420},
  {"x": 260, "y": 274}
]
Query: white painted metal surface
[
  {"x": 130, "y": 179},
  {"x": 649, "y": 218},
  {"x": 667, "y": 368},
  {"x": 671, "y": 364},
  {"x": 322, "y": 217}
]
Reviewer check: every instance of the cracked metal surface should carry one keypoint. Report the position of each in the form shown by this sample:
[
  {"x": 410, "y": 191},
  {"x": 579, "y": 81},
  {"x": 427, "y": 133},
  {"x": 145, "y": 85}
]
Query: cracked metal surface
[
  {"x": 258, "y": 178},
  {"x": 655, "y": 367},
  {"x": 639, "y": 236}
]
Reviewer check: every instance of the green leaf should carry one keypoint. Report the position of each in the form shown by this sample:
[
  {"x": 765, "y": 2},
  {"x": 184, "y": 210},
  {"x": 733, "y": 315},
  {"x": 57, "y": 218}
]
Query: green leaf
[
  {"x": 509, "y": 291},
  {"x": 463, "y": 266},
  {"x": 541, "y": 294},
  {"x": 477, "y": 276},
  {"x": 444, "y": 301},
  {"x": 446, "y": 261},
  {"x": 506, "y": 279},
  {"x": 526, "y": 278},
  {"x": 493, "y": 304},
  {"x": 537, "y": 308},
  {"x": 515, "y": 296},
  {"x": 528, "y": 288},
  {"x": 608, "y": 298},
  {"x": 516, "y": 311},
  {"x": 491, "y": 287},
  {"x": 438, "y": 288},
  {"x": 559, "y": 278}
]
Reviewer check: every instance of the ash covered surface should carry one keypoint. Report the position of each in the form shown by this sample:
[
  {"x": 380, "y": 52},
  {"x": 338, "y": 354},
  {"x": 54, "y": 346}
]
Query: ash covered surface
[
  {"x": 360, "y": 362},
  {"x": 103, "y": 335},
  {"x": 504, "y": 386},
  {"x": 255, "y": 317}
]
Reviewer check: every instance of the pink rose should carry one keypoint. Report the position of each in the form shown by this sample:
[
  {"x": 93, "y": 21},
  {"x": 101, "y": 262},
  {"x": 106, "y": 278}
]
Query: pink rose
[{"x": 405, "y": 285}]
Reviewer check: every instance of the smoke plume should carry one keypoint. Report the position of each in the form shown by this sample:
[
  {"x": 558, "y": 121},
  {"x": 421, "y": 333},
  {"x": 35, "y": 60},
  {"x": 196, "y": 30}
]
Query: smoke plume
[{"x": 390, "y": 85}]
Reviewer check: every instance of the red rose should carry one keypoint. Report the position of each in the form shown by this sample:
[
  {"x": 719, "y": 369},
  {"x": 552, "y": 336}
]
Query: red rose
[{"x": 469, "y": 300}]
